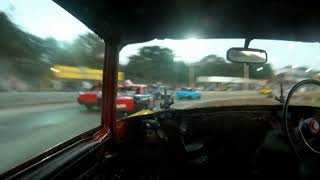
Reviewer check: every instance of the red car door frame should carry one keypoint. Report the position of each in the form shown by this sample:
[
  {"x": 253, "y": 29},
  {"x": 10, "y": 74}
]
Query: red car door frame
[{"x": 109, "y": 90}]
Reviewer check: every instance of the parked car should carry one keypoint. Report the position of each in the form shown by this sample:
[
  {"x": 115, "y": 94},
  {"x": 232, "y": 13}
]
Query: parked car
[{"x": 188, "y": 93}]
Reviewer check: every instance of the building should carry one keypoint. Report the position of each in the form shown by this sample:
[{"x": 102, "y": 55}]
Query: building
[{"x": 226, "y": 83}]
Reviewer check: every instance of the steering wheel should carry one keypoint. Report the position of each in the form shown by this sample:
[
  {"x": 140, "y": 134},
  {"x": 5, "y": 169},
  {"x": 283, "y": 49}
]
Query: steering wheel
[{"x": 304, "y": 138}]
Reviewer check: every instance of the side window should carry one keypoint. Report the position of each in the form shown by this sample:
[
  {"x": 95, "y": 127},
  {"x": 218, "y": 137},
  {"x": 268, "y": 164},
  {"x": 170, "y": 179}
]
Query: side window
[
  {"x": 49, "y": 62},
  {"x": 146, "y": 90}
]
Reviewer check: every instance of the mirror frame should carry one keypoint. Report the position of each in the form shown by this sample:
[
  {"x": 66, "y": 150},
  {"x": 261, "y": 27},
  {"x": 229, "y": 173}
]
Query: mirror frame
[{"x": 247, "y": 49}]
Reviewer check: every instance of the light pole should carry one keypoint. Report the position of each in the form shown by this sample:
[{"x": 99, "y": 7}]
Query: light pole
[{"x": 246, "y": 76}]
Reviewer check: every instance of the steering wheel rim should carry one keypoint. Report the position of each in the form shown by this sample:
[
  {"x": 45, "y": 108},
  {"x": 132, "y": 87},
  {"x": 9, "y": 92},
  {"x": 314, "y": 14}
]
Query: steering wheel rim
[{"x": 285, "y": 127}]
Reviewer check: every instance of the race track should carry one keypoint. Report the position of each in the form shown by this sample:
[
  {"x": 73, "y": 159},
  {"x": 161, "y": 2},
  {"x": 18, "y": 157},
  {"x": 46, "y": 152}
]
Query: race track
[{"x": 26, "y": 132}]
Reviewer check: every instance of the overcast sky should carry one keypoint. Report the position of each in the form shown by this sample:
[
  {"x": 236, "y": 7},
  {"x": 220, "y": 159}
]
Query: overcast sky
[{"x": 44, "y": 18}]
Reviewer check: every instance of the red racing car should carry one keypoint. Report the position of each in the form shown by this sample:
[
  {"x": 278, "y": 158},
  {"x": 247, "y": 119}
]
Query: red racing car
[
  {"x": 92, "y": 98},
  {"x": 130, "y": 99}
]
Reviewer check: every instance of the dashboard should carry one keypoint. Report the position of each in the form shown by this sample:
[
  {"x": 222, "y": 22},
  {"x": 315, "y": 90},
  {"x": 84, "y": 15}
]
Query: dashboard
[{"x": 241, "y": 138}]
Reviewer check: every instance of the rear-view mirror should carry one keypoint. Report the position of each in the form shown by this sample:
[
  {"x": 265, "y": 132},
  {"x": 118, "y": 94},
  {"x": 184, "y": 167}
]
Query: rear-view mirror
[{"x": 246, "y": 55}]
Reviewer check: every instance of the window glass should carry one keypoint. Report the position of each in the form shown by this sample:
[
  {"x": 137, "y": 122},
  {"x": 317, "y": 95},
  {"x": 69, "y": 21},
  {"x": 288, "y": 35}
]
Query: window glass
[
  {"x": 196, "y": 73},
  {"x": 50, "y": 79}
]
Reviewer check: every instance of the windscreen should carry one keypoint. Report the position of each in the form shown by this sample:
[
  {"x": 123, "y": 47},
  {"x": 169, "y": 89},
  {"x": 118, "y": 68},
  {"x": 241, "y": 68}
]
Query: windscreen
[
  {"x": 197, "y": 74},
  {"x": 50, "y": 79}
]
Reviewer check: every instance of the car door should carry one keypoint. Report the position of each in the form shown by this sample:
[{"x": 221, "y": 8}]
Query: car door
[{"x": 46, "y": 57}]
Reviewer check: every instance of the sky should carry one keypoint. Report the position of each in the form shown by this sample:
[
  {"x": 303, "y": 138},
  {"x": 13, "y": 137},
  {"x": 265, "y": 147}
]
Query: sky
[
  {"x": 44, "y": 18},
  {"x": 280, "y": 53}
]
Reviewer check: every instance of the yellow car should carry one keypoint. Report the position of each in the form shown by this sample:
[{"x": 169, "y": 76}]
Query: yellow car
[{"x": 265, "y": 91}]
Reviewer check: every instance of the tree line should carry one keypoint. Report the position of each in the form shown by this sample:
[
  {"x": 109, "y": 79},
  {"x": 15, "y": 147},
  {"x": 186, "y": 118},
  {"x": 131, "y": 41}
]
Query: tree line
[
  {"x": 26, "y": 58},
  {"x": 157, "y": 64}
]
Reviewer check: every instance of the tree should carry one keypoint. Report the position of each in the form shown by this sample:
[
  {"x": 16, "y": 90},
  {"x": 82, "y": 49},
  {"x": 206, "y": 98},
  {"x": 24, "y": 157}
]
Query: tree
[
  {"x": 87, "y": 50},
  {"x": 213, "y": 65},
  {"x": 266, "y": 71},
  {"x": 20, "y": 52},
  {"x": 152, "y": 64},
  {"x": 15, "y": 42},
  {"x": 28, "y": 58},
  {"x": 180, "y": 72}
]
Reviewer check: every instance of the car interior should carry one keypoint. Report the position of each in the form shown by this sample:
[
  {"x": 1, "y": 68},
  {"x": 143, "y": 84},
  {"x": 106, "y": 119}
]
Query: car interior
[{"x": 242, "y": 141}]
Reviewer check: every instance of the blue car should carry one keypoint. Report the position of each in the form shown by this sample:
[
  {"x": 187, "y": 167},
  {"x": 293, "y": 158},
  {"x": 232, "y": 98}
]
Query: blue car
[{"x": 188, "y": 93}]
